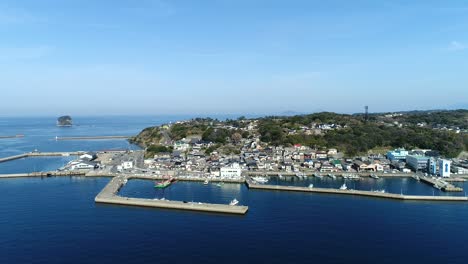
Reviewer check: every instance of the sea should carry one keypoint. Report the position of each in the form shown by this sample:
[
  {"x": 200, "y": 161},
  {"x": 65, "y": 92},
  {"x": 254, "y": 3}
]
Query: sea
[{"x": 55, "y": 219}]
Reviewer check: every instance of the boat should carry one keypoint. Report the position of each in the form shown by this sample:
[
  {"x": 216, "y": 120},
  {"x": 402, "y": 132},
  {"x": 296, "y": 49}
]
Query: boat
[
  {"x": 234, "y": 202},
  {"x": 311, "y": 185},
  {"x": 164, "y": 184},
  {"x": 260, "y": 179},
  {"x": 373, "y": 176},
  {"x": 206, "y": 182},
  {"x": 354, "y": 177},
  {"x": 380, "y": 191},
  {"x": 345, "y": 176},
  {"x": 318, "y": 175},
  {"x": 280, "y": 176},
  {"x": 332, "y": 176},
  {"x": 343, "y": 187}
]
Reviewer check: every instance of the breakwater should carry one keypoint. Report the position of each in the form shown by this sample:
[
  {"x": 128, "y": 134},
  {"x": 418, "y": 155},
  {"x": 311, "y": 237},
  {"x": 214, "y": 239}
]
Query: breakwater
[
  {"x": 109, "y": 195},
  {"x": 41, "y": 154},
  {"x": 253, "y": 185},
  {"x": 92, "y": 137},
  {"x": 43, "y": 174}
]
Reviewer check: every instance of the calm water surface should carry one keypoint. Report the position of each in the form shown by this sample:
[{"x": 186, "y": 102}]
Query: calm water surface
[{"x": 55, "y": 220}]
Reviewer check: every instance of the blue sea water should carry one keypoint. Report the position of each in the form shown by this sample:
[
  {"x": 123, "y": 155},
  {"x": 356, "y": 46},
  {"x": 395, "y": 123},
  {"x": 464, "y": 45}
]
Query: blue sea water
[{"x": 55, "y": 220}]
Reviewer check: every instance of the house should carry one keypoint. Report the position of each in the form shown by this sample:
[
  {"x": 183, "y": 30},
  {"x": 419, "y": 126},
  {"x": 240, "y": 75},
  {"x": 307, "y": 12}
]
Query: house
[{"x": 321, "y": 155}]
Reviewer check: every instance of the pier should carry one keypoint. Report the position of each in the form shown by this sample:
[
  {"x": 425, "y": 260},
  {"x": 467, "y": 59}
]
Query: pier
[
  {"x": 443, "y": 185},
  {"x": 92, "y": 138},
  {"x": 109, "y": 195},
  {"x": 253, "y": 185}
]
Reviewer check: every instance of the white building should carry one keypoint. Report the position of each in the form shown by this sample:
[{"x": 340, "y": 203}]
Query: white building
[
  {"x": 233, "y": 171},
  {"x": 81, "y": 165},
  {"x": 127, "y": 165},
  {"x": 444, "y": 168}
]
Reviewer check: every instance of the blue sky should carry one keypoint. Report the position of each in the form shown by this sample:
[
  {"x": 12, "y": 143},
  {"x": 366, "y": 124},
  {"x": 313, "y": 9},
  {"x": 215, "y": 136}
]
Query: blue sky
[{"x": 231, "y": 56}]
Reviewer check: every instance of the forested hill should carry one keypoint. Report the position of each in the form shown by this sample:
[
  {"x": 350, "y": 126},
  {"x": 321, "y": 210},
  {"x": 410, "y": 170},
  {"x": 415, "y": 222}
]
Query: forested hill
[{"x": 445, "y": 131}]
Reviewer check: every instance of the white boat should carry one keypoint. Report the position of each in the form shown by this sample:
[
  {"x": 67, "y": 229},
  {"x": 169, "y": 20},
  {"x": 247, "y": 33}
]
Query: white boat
[
  {"x": 332, "y": 176},
  {"x": 234, "y": 202},
  {"x": 311, "y": 185},
  {"x": 206, "y": 182},
  {"x": 280, "y": 176},
  {"x": 380, "y": 191},
  {"x": 318, "y": 175},
  {"x": 260, "y": 179},
  {"x": 374, "y": 176},
  {"x": 343, "y": 187}
]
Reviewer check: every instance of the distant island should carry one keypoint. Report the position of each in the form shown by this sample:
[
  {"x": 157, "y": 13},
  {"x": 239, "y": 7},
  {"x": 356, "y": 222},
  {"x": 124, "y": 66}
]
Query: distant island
[
  {"x": 64, "y": 121},
  {"x": 353, "y": 135}
]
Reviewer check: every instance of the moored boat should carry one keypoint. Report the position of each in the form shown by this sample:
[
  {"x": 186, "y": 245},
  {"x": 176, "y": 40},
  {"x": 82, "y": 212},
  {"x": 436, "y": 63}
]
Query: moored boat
[
  {"x": 343, "y": 187},
  {"x": 234, "y": 202}
]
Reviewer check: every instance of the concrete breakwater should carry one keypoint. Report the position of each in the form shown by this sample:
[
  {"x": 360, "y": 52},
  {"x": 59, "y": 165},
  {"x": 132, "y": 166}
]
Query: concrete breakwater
[
  {"x": 40, "y": 154},
  {"x": 92, "y": 137},
  {"x": 338, "y": 174},
  {"x": 253, "y": 185},
  {"x": 43, "y": 174},
  {"x": 110, "y": 195}
]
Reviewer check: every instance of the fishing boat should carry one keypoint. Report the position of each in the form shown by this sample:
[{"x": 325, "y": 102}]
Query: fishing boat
[
  {"x": 234, "y": 202},
  {"x": 164, "y": 184},
  {"x": 260, "y": 179},
  {"x": 374, "y": 176},
  {"x": 311, "y": 185},
  {"x": 343, "y": 187},
  {"x": 206, "y": 182},
  {"x": 332, "y": 176},
  {"x": 380, "y": 191}
]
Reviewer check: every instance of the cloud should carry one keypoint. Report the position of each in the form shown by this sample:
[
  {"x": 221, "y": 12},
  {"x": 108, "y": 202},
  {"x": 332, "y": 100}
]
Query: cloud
[{"x": 456, "y": 46}]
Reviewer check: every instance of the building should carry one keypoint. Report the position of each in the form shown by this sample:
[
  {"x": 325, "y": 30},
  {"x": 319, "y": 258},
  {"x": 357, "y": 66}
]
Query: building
[
  {"x": 416, "y": 162},
  {"x": 444, "y": 168},
  {"x": 397, "y": 154},
  {"x": 127, "y": 165},
  {"x": 82, "y": 165},
  {"x": 233, "y": 171},
  {"x": 181, "y": 145},
  {"x": 432, "y": 167}
]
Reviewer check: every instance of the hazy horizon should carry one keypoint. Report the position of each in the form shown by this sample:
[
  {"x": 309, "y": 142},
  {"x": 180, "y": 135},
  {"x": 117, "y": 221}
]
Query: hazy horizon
[{"x": 231, "y": 57}]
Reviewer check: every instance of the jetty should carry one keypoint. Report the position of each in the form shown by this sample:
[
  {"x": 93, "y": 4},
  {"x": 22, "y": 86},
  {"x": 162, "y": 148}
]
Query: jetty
[
  {"x": 41, "y": 154},
  {"x": 253, "y": 185},
  {"x": 109, "y": 195},
  {"x": 15, "y": 136},
  {"x": 92, "y": 137}
]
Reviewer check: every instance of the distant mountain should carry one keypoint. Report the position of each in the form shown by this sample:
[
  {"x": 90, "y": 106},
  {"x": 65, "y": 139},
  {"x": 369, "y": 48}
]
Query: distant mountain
[{"x": 64, "y": 121}]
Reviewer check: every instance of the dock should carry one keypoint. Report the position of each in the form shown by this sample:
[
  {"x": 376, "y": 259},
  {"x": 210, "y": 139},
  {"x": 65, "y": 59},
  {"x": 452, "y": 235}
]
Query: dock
[
  {"x": 109, "y": 195},
  {"x": 92, "y": 137},
  {"x": 444, "y": 186},
  {"x": 253, "y": 185}
]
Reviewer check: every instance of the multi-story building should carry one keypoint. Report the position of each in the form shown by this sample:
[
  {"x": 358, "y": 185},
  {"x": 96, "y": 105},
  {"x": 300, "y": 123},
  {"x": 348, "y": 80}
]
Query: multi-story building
[
  {"x": 416, "y": 162},
  {"x": 231, "y": 171},
  {"x": 444, "y": 168},
  {"x": 397, "y": 154}
]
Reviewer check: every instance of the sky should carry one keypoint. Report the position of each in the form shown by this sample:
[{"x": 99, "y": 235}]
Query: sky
[{"x": 149, "y": 57}]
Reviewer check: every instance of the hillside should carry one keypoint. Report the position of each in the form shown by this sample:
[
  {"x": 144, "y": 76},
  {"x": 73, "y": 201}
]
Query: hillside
[{"x": 444, "y": 131}]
